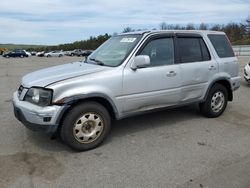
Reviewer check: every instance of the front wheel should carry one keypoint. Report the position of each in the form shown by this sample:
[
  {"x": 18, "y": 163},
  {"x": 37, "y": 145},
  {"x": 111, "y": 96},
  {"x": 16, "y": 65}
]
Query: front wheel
[
  {"x": 85, "y": 126},
  {"x": 215, "y": 102}
]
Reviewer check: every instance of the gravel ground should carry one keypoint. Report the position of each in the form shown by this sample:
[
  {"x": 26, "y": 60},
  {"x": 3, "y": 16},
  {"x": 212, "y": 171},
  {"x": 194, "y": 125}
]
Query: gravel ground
[{"x": 175, "y": 148}]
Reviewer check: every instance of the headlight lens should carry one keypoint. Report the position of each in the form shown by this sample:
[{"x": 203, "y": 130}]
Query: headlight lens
[{"x": 39, "y": 96}]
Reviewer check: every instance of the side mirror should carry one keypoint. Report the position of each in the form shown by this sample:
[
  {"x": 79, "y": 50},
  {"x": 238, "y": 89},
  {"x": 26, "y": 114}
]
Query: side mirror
[{"x": 140, "y": 61}]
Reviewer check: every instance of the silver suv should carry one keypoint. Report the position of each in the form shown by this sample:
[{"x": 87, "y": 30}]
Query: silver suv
[{"x": 127, "y": 75}]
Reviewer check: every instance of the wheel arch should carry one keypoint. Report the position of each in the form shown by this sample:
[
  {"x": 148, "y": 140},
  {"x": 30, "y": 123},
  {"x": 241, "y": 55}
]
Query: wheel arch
[
  {"x": 99, "y": 98},
  {"x": 226, "y": 83}
]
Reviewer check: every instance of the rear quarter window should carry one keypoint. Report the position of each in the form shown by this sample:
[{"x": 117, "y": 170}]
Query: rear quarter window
[{"x": 221, "y": 45}]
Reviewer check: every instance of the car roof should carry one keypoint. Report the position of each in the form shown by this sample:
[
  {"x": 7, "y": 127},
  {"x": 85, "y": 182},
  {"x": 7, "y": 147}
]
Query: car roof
[{"x": 206, "y": 32}]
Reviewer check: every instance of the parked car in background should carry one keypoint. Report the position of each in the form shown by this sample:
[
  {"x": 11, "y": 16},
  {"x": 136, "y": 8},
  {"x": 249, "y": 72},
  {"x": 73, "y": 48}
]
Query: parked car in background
[
  {"x": 15, "y": 53},
  {"x": 247, "y": 72},
  {"x": 68, "y": 53},
  {"x": 78, "y": 52},
  {"x": 28, "y": 53},
  {"x": 127, "y": 75},
  {"x": 84, "y": 53},
  {"x": 54, "y": 54},
  {"x": 33, "y": 53},
  {"x": 40, "y": 54},
  {"x": 73, "y": 52}
]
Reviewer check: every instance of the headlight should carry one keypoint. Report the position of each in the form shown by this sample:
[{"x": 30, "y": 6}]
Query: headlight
[{"x": 39, "y": 96}]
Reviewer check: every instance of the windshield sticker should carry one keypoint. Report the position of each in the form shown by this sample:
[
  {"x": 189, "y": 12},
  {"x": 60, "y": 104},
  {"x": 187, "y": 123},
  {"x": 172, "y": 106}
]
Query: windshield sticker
[{"x": 128, "y": 40}]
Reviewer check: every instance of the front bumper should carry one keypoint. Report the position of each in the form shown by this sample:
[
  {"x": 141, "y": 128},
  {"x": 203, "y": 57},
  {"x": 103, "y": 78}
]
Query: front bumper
[{"x": 36, "y": 118}]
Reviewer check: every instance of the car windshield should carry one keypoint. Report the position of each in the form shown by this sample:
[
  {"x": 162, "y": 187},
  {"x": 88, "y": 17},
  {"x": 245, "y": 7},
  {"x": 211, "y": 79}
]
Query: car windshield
[{"x": 113, "y": 52}]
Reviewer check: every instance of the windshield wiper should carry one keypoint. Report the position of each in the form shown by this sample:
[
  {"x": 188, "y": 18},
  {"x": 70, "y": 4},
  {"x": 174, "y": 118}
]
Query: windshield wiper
[{"x": 98, "y": 62}]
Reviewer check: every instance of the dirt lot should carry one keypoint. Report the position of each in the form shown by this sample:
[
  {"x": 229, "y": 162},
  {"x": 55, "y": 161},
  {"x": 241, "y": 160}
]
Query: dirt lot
[{"x": 173, "y": 148}]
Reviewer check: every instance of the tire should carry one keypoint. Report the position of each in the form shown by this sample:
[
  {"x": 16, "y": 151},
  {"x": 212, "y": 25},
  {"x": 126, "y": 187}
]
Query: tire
[
  {"x": 21, "y": 56},
  {"x": 216, "y": 101},
  {"x": 85, "y": 126},
  {"x": 60, "y": 55},
  {"x": 48, "y": 55}
]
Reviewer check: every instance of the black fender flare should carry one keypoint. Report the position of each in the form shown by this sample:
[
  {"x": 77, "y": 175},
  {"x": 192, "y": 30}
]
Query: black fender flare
[
  {"x": 73, "y": 99},
  {"x": 220, "y": 81}
]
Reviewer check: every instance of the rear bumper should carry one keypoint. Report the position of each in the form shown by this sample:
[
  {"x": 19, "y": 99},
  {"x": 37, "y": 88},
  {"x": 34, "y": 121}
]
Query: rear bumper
[
  {"x": 235, "y": 82},
  {"x": 36, "y": 118}
]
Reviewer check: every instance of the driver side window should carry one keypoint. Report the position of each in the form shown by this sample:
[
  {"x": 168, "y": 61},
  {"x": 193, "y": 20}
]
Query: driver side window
[{"x": 160, "y": 51}]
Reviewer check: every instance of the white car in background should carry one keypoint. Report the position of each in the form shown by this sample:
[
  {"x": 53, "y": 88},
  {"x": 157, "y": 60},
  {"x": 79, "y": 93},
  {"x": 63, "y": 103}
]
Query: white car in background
[
  {"x": 247, "y": 72},
  {"x": 40, "y": 54},
  {"x": 28, "y": 53},
  {"x": 54, "y": 54}
]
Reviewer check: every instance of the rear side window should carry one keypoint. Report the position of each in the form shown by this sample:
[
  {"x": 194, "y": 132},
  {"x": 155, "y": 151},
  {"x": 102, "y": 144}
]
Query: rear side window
[
  {"x": 221, "y": 45},
  {"x": 192, "y": 49}
]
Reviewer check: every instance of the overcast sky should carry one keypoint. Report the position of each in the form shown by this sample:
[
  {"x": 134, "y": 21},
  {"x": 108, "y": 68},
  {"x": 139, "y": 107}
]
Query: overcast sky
[{"x": 63, "y": 21}]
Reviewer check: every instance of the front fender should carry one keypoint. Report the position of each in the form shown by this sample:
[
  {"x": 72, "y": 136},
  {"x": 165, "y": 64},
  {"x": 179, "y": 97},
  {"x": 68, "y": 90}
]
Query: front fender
[{"x": 75, "y": 98}]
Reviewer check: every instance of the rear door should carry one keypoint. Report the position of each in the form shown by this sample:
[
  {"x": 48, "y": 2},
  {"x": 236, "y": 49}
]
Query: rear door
[{"x": 196, "y": 66}]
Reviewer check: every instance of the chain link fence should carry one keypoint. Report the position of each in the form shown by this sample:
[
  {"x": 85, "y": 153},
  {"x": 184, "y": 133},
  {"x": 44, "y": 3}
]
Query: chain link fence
[{"x": 242, "y": 50}]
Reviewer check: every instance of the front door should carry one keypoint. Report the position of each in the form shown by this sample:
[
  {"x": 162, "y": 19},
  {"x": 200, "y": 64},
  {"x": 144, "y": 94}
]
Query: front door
[{"x": 157, "y": 85}]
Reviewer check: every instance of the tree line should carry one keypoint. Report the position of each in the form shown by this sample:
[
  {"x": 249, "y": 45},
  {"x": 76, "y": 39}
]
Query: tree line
[
  {"x": 89, "y": 44},
  {"x": 238, "y": 34}
]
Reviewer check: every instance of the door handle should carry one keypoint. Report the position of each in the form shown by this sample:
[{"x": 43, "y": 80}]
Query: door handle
[
  {"x": 211, "y": 68},
  {"x": 171, "y": 74}
]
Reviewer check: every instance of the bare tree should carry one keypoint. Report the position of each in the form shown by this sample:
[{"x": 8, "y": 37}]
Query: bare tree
[
  {"x": 247, "y": 26},
  {"x": 216, "y": 27},
  {"x": 163, "y": 26},
  {"x": 203, "y": 26},
  {"x": 190, "y": 26},
  {"x": 177, "y": 27},
  {"x": 234, "y": 31},
  {"x": 127, "y": 30}
]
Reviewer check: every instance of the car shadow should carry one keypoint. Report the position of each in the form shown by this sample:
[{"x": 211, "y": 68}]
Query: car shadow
[
  {"x": 152, "y": 120},
  {"x": 124, "y": 127}
]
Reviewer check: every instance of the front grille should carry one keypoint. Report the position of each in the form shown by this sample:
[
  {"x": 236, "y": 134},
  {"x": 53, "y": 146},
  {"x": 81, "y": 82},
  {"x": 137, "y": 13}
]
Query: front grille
[{"x": 20, "y": 89}]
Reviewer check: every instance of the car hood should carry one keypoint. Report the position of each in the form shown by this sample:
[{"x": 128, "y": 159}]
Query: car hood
[{"x": 44, "y": 77}]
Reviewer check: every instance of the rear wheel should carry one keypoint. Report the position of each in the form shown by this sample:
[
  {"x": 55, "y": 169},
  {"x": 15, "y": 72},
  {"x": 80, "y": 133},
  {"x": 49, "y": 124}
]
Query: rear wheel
[
  {"x": 216, "y": 101},
  {"x": 85, "y": 126}
]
